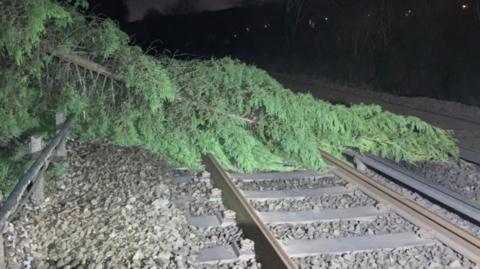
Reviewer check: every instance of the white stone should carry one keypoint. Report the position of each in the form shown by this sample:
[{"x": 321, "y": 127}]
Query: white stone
[
  {"x": 138, "y": 255},
  {"x": 455, "y": 264},
  {"x": 160, "y": 203}
]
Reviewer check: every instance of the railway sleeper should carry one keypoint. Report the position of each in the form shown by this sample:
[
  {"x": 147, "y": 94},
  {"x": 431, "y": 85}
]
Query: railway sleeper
[
  {"x": 304, "y": 248},
  {"x": 367, "y": 213},
  {"x": 224, "y": 254},
  {"x": 296, "y": 193},
  {"x": 281, "y": 176}
]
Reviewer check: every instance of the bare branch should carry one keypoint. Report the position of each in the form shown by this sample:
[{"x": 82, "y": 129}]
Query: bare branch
[
  {"x": 247, "y": 120},
  {"x": 87, "y": 64}
]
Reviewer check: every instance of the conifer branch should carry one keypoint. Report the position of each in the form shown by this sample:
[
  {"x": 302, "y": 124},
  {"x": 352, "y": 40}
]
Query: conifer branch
[{"x": 102, "y": 70}]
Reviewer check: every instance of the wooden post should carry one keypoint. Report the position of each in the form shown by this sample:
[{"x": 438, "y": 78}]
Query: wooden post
[
  {"x": 36, "y": 146},
  {"x": 38, "y": 195},
  {"x": 61, "y": 148}
]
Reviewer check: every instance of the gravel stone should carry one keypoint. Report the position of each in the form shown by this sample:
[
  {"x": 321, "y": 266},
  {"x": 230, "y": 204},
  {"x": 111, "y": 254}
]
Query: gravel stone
[
  {"x": 114, "y": 208},
  {"x": 202, "y": 208},
  {"x": 226, "y": 235},
  {"x": 194, "y": 189},
  {"x": 297, "y": 183},
  {"x": 463, "y": 180},
  {"x": 454, "y": 218},
  {"x": 310, "y": 203},
  {"x": 417, "y": 257},
  {"x": 235, "y": 265},
  {"x": 391, "y": 223}
]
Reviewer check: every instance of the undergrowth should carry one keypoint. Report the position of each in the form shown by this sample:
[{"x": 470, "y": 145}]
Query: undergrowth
[
  {"x": 12, "y": 165},
  {"x": 180, "y": 109}
]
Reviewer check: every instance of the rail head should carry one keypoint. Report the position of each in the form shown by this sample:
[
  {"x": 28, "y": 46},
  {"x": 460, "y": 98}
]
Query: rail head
[{"x": 14, "y": 199}]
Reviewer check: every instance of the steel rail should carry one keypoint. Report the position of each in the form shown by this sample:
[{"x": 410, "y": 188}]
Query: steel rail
[
  {"x": 269, "y": 251},
  {"x": 450, "y": 234},
  {"x": 455, "y": 201}
]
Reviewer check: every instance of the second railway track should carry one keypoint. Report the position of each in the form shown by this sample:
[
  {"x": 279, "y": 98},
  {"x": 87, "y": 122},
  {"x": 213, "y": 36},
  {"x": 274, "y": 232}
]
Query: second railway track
[{"x": 338, "y": 219}]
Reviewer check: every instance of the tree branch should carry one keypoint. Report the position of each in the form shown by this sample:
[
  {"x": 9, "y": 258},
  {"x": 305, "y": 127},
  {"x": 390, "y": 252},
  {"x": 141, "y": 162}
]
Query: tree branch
[
  {"x": 87, "y": 64},
  {"x": 100, "y": 69}
]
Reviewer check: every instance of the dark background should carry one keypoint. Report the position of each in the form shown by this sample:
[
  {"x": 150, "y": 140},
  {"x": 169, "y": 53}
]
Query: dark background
[{"x": 408, "y": 47}]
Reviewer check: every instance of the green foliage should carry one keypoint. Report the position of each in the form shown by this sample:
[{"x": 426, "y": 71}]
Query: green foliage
[
  {"x": 182, "y": 109},
  {"x": 14, "y": 102},
  {"x": 57, "y": 170},
  {"x": 23, "y": 24},
  {"x": 12, "y": 165},
  {"x": 297, "y": 126}
]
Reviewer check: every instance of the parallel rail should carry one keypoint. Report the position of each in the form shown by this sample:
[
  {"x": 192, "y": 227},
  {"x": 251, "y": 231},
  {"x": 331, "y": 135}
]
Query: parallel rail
[
  {"x": 454, "y": 201},
  {"x": 273, "y": 254}
]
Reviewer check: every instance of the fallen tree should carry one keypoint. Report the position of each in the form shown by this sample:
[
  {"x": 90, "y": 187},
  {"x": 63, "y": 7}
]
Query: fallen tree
[{"x": 56, "y": 59}]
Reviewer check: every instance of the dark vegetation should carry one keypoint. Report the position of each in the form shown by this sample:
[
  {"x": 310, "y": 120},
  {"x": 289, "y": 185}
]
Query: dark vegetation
[
  {"x": 56, "y": 59},
  {"x": 408, "y": 47}
]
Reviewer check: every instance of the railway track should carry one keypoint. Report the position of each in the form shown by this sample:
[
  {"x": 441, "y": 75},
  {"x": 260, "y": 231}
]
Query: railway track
[
  {"x": 336, "y": 219},
  {"x": 455, "y": 202}
]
